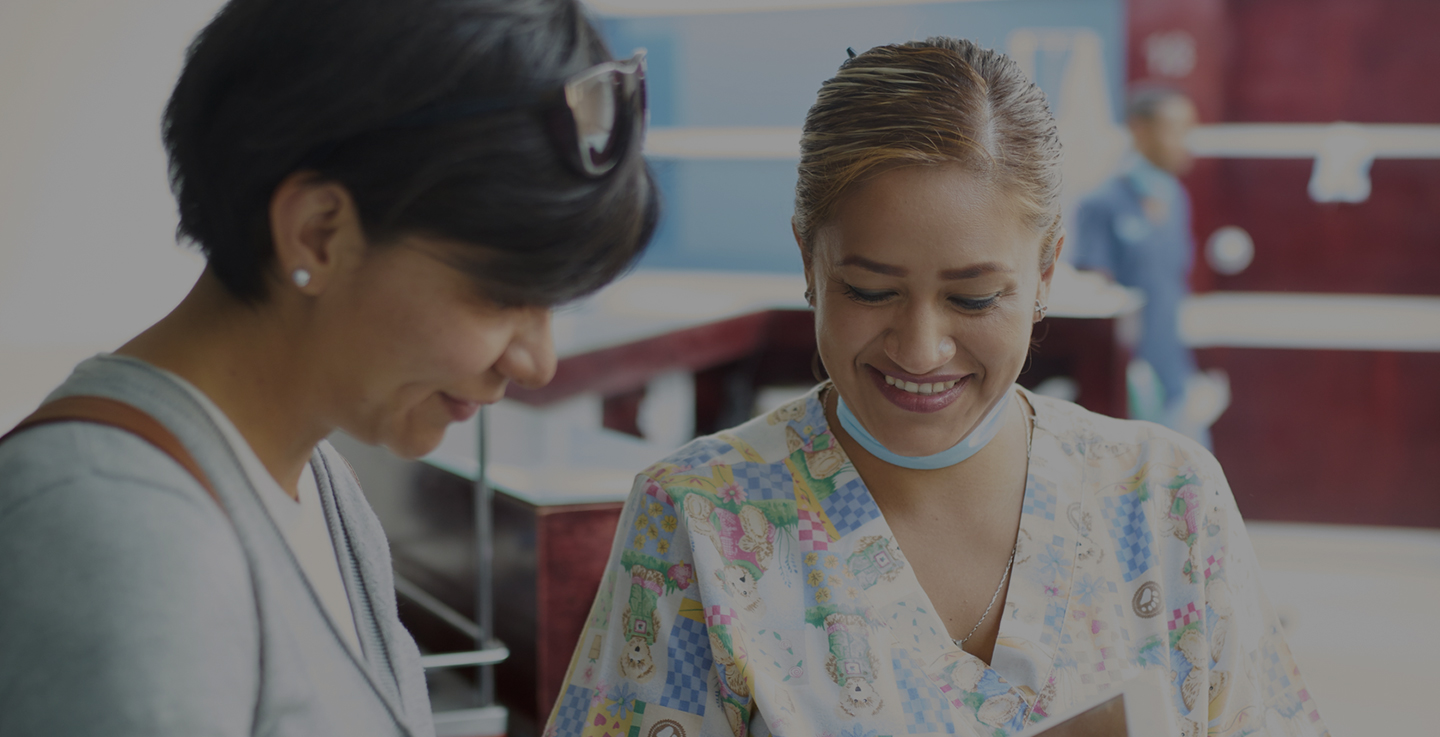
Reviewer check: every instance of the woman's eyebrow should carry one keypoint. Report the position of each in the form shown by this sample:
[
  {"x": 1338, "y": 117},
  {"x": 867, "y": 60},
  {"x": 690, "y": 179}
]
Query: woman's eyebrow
[
  {"x": 968, "y": 272},
  {"x": 972, "y": 272},
  {"x": 874, "y": 266}
]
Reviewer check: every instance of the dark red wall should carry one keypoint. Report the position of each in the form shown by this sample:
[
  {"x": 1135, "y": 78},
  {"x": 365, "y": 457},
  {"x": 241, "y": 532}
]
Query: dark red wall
[
  {"x": 1348, "y": 437},
  {"x": 1364, "y": 61},
  {"x": 1388, "y": 244},
  {"x": 1330, "y": 436}
]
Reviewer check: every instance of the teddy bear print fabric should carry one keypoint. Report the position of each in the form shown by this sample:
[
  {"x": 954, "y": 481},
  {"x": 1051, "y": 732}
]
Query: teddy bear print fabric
[{"x": 755, "y": 588}]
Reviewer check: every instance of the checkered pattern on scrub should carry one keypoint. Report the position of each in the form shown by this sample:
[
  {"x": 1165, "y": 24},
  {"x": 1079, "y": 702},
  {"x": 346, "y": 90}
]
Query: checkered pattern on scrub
[
  {"x": 1054, "y": 621},
  {"x": 689, "y": 667},
  {"x": 849, "y": 507},
  {"x": 654, "y": 490},
  {"x": 1276, "y": 680},
  {"x": 698, "y": 453},
  {"x": 574, "y": 705},
  {"x": 1189, "y": 615},
  {"x": 924, "y": 705},
  {"x": 1134, "y": 542},
  {"x": 719, "y": 615},
  {"x": 1109, "y": 637},
  {"x": 811, "y": 531},
  {"x": 1040, "y": 500},
  {"x": 1102, "y": 668},
  {"x": 763, "y": 480},
  {"x": 812, "y": 423},
  {"x": 1214, "y": 563},
  {"x": 638, "y": 719}
]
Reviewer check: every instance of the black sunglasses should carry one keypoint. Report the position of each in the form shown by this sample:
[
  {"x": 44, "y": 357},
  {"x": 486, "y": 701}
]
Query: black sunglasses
[{"x": 593, "y": 118}]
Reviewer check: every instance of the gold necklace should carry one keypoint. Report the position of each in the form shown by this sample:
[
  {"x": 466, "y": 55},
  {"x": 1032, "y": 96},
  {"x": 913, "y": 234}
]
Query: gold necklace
[{"x": 1029, "y": 440}]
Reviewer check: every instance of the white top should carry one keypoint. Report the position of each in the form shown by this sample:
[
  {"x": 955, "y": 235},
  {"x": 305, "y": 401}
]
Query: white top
[{"x": 301, "y": 523}]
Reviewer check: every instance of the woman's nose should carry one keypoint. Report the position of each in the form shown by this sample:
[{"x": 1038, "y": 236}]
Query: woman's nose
[
  {"x": 530, "y": 359},
  {"x": 919, "y": 342}
]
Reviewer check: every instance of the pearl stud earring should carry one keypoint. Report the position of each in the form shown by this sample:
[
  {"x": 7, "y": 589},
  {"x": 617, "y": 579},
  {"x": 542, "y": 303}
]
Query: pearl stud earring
[{"x": 301, "y": 277}]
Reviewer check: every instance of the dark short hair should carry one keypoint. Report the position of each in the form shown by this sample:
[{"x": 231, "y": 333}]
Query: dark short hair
[
  {"x": 272, "y": 87},
  {"x": 1144, "y": 101}
]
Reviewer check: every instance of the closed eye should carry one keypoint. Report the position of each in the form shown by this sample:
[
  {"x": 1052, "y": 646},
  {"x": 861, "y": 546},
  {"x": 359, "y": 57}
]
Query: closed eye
[
  {"x": 865, "y": 296},
  {"x": 873, "y": 297},
  {"x": 975, "y": 305}
]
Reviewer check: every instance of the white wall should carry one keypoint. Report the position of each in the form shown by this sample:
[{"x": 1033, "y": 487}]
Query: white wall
[{"x": 87, "y": 249}]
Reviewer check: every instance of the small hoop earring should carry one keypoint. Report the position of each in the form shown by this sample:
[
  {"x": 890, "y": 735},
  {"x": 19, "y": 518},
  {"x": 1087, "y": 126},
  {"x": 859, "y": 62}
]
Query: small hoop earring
[
  {"x": 1040, "y": 310},
  {"x": 301, "y": 277}
]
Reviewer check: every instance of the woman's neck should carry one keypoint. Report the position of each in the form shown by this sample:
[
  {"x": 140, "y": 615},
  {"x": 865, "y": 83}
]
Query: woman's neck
[
  {"x": 974, "y": 488},
  {"x": 249, "y": 362}
]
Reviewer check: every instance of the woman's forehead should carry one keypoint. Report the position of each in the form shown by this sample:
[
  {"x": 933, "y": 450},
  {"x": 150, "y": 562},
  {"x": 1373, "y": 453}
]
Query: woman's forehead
[{"x": 928, "y": 218}]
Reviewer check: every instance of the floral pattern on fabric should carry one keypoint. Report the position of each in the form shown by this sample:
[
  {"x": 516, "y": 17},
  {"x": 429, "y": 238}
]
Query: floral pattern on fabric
[{"x": 756, "y": 588}]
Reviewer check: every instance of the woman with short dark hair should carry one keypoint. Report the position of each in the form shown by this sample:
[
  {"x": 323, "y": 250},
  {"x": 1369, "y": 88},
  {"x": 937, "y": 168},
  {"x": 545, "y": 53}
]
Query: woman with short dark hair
[{"x": 390, "y": 197}]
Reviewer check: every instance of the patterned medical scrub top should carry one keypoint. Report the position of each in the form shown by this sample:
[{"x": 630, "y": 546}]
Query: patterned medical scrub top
[{"x": 754, "y": 587}]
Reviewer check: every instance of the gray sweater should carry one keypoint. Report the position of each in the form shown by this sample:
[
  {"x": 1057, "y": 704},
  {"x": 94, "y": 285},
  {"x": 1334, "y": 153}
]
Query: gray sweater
[{"x": 131, "y": 605}]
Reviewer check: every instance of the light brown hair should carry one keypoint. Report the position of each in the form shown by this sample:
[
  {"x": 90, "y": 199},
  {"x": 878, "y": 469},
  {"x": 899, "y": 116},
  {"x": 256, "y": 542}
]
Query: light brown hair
[{"x": 927, "y": 103}]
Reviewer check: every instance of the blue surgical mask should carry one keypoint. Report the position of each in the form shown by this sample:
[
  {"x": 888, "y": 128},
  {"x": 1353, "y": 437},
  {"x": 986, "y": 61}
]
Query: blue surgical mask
[{"x": 958, "y": 453}]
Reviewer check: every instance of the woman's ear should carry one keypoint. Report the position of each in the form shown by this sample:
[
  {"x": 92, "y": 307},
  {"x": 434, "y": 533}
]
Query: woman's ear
[
  {"x": 1054, "y": 257},
  {"x": 316, "y": 231},
  {"x": 1049, "y": 273},
  {"x": 804, "y": 252},
  {"x": 806, "y": 258}
]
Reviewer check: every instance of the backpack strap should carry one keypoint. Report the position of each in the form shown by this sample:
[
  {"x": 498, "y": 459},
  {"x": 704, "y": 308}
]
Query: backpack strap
[{"x": 122, "y": 416}]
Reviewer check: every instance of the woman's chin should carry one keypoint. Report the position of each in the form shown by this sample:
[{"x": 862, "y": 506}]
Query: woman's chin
[{"x": 414, "y": 442}]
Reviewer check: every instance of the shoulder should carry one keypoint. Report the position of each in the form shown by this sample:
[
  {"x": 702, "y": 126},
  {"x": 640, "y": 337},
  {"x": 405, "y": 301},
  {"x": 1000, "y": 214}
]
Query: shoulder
[
  {"x": 98, "y": 467},
  {"x": 118, "y": 538},
  {"x": 1118, "y": 445},
  {"x": 767, "y": 440},
  {"x": 116, "y": 572},
  {"x": 86, "y": 497},
  {"x": 742, "y": 481},
  {"x": 81, "y": 490}
]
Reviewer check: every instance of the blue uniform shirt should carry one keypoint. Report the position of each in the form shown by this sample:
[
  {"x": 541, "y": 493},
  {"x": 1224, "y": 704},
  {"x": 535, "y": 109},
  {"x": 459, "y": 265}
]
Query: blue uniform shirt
[{"x": 1148, "y": 246}]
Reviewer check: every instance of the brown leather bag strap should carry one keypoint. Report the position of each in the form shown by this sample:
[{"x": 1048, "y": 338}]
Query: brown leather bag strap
[{"x": 122, "y": 416}]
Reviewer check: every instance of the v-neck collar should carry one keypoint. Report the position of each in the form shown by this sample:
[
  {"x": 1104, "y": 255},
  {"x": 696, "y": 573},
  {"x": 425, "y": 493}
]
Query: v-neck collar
[
  {"x": 365, "y": 603},
  {"x": 1034, "y": 609}
]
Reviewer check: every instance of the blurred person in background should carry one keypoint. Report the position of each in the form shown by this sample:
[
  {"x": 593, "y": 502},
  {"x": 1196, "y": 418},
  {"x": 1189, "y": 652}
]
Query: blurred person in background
[
  {"x": 919, "y": 545},
  {"x": 1136, "y": 229},
  {"x": 390, "y": 196}
]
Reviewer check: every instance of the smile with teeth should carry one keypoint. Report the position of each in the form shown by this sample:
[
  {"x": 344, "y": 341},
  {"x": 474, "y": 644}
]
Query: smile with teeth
[{"x": 914, "y": 388}]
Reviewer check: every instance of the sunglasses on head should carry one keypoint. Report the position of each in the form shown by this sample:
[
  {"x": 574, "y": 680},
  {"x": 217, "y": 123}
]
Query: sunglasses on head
[
  {"x": 605, "y": 112},
  {"x": 593, "y": 119}
]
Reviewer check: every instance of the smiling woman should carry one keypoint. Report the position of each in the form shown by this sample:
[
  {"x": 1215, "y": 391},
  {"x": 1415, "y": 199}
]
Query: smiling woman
[
  {"x": 919, "y": 546},
  {"x": 943, "y": 309},
  {"x": 390, "y": 198}
]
